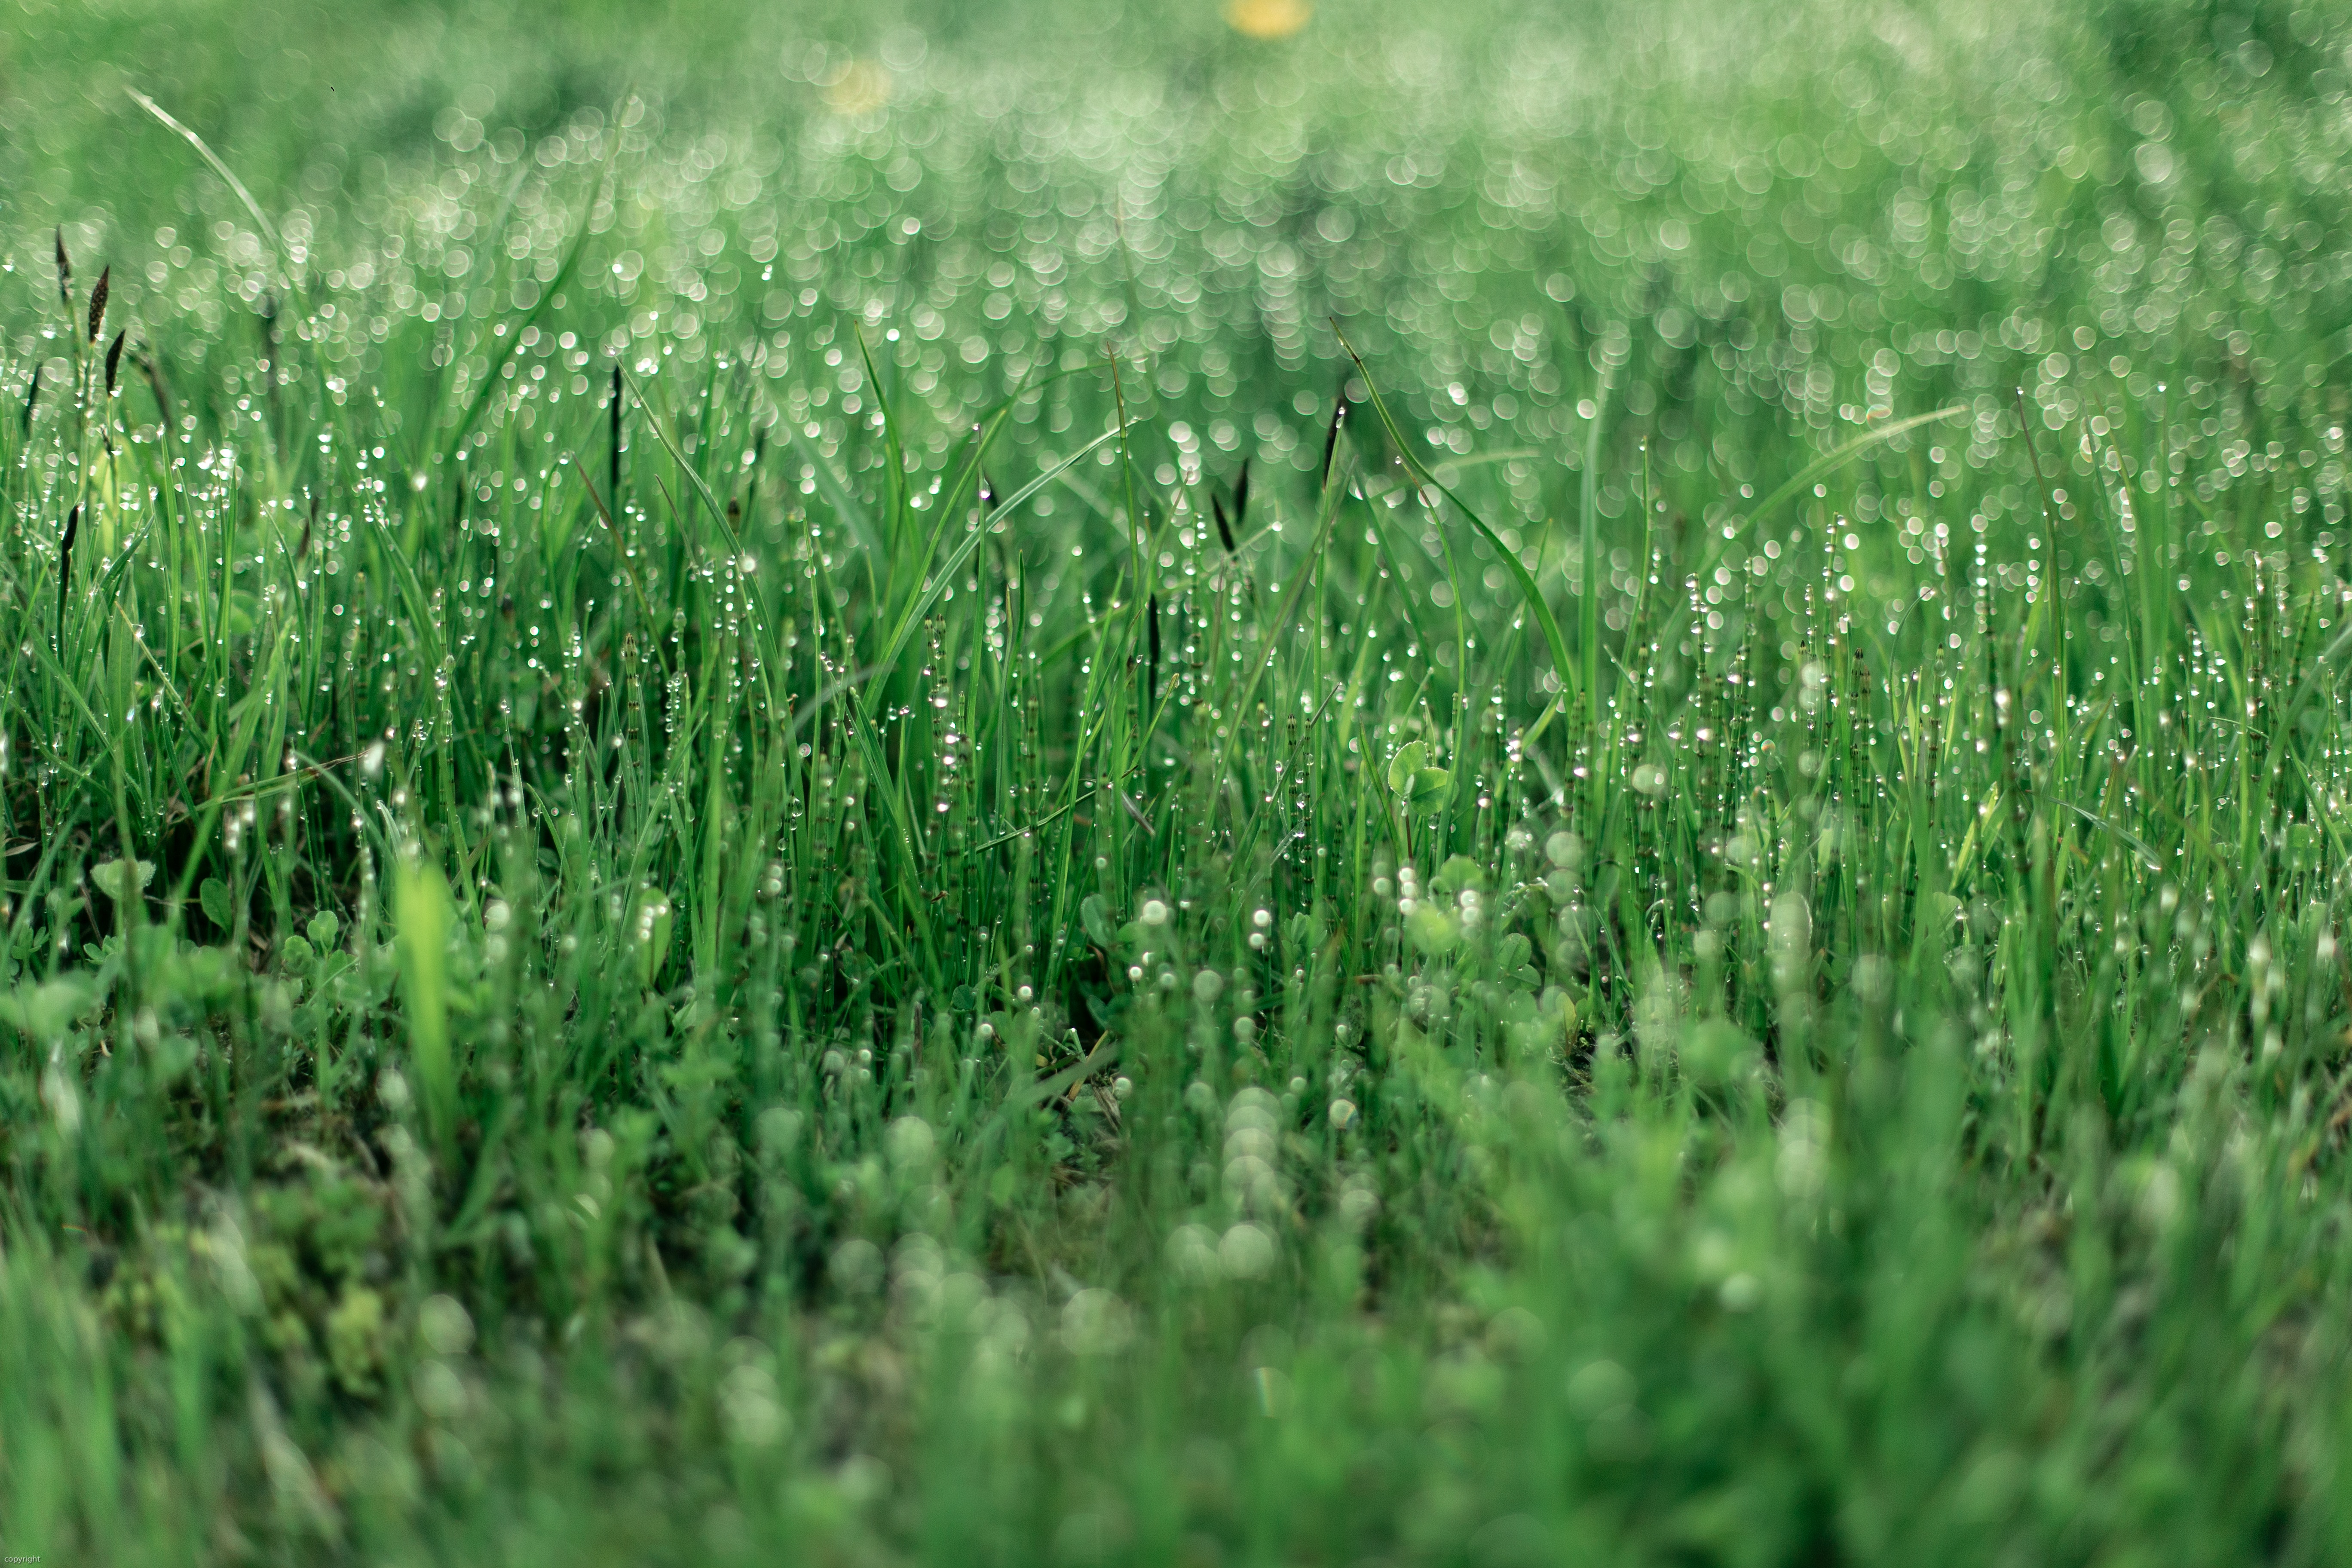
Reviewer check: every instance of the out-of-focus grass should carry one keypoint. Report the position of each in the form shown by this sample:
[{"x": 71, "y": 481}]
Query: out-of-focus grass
[{"x": 982, "y": 941}]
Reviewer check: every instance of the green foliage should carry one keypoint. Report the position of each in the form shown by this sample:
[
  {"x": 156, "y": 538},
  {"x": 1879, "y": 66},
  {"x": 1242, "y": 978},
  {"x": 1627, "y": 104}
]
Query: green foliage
[
  {"x": 778, "y": 818},
  {"x": 1414, "y": 782}
]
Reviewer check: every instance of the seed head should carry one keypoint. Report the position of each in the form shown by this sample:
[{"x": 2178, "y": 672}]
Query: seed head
[
  {"x": 1151, "y": 670},
  {"x": 65, "y": 570}
]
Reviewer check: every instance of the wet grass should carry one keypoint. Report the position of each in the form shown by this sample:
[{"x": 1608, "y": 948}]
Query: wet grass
[{"x": 1367, "y": 799}]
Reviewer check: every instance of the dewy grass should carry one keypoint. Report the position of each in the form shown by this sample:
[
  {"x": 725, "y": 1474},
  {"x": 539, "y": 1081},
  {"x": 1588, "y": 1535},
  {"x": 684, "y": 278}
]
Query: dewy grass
[{"x": 718, "y": 848}]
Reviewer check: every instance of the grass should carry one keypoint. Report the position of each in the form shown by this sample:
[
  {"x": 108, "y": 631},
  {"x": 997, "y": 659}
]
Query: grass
[{"x": 1473, "y": 790}]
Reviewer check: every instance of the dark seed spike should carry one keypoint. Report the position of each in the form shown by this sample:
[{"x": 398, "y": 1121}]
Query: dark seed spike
[
  {"x": 31, "y": 397},
  {"x": 1224, "y": 529},
  {"x": 64, "y": 273},
  {"x": 752, "y": 485},
  {"x": 615, "y": 486},
  {"x": 1331, "y": 437},
  {"x": 98, "y": 300},
  {"x": 309, "y": 523},
  {"x": 114, "y": 359},
  {"x": 65, "y": 572},
  {"x": 154, "y": 371},
  {"x": 1151, "y": 669},
  {"x": 1240, "y": 497}
]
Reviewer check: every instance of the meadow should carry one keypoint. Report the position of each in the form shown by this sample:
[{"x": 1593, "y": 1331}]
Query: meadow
[{"x": 1086, "y": 784}]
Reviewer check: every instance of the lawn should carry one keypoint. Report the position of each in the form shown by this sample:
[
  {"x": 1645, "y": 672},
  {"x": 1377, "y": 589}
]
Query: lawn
[{"x": 1068, "y": 783}]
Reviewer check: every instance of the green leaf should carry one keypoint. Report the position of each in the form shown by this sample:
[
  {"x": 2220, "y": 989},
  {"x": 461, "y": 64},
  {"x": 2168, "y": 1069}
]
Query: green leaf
[
  {"x": 214, "y": 898},
  {"x": 1514, "y": 957},
  {"x": 1414, "y": 781},
  {"x": 113, "y": 877},
  {"x": 1095, "y": 915},
  {"x": 1460, "y": 872},
  {"x": 324, "y": 929},
  {"x": 1405, "y": 764},
  {"x": 47, "y": 1010},
  {"x": 1433, "y": 930}
]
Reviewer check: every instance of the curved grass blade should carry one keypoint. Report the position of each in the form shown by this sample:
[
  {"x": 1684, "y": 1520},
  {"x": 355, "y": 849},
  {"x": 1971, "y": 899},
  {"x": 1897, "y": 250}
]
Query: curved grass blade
[
  {"x": 214, "y": 160},
  {"x": 513, "y": 339},
  {"x": 1830, "y": 462},
  {"x": 1530, "y": 591},
  {"x": 904, "y": 633}
]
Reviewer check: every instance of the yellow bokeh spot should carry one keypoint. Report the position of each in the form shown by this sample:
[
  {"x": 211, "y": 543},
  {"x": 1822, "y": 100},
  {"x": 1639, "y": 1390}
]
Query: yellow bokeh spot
[
  {"x": 862, "y": 88},
  {"x": 1268, "y": 18}
]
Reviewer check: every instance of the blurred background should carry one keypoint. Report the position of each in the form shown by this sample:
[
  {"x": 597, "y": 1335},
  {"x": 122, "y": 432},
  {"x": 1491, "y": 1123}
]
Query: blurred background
[{"x": 1746, "y": 218}]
